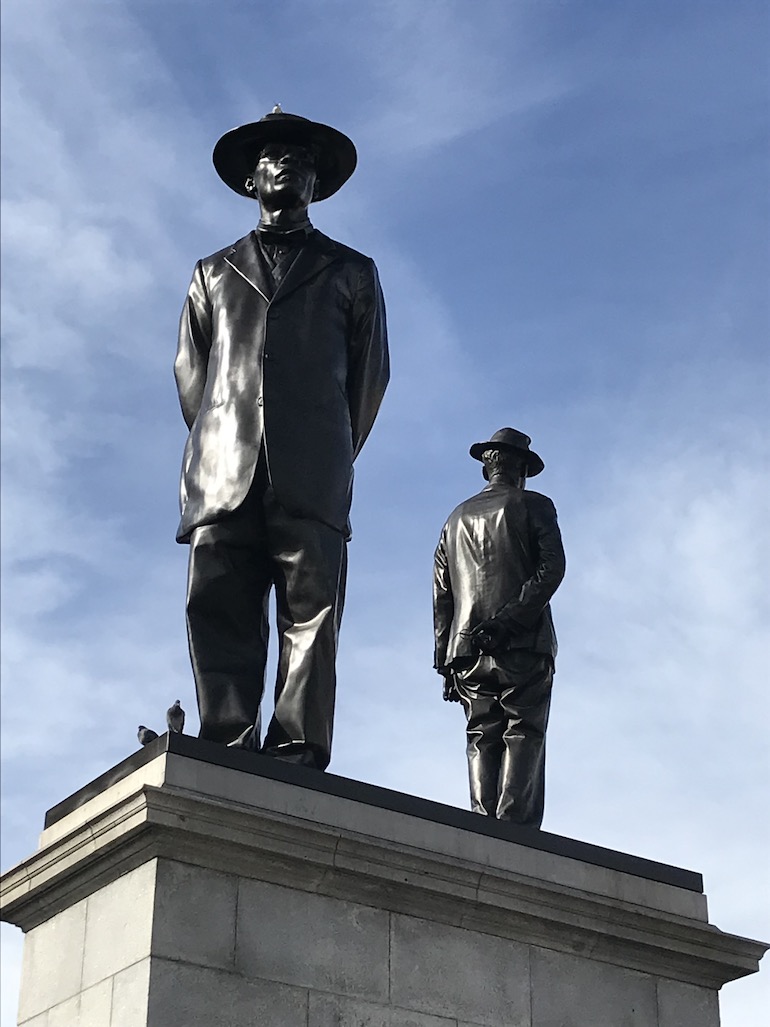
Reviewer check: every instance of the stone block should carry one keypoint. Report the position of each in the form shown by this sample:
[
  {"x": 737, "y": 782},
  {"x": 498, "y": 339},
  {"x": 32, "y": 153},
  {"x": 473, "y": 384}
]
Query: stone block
[
  {"x": 425, "y": 835},
  {"x": 92, "y": 1008},
  {"x": 312, "y": 941},
  {"x": 119, "y": 924},
  {"x": 130, "y": 996},
  {"x": 451, "y": 972},
  {"x": 194, "y": 917},
  {"x": 89, "y": 812},
  {"x": 95, "y": 1006},
  {"x": 67, "y": 1014},
  {"x": 685, "y": 1005},
  {"x": 192, "y": 996},
  {"x": 284, "y": 903},
  {"x": 335, "y": 1011},
  {"x": 53, "y": 960},
  {"x": 570, "y": 991}
]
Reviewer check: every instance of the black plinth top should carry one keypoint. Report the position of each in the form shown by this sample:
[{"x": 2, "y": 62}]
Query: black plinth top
[{"x": 384, "y": 798}]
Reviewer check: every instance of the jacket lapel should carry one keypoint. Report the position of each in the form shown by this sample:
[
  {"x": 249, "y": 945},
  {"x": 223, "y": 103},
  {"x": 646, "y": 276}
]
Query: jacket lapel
[
  {"x": 246, "y": 258},
  {"x": 318, "y": 252}
]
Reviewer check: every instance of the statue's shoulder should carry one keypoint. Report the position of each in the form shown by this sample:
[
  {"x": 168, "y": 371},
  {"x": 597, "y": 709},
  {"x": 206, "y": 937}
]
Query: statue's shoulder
[
  {"x": 214, "y": 259},
  {"x": 470, "y": 507},
  {"x": 536, "y": 497},
  {"x": 538, "y": 503},
  {"x": 340, "y": 250}
]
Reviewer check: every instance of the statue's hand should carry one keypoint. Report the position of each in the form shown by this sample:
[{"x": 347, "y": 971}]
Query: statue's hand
[
  {"x": 450, "y": 691},
  {"x": 450, "y": 688},
  {"x": 489, "y": 636}
]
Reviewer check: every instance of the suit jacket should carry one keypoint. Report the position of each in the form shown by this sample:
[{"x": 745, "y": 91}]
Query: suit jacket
[
  {"x": 299, "y": 368},
  {"x": 499, "y": 556}
]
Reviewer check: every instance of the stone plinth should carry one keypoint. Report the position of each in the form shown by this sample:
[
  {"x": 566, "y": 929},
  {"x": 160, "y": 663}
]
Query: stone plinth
[{"x": 194, "y": 886}]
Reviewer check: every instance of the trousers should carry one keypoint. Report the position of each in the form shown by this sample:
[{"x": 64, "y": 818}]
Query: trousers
[
  {"x": 233, "y": 566},
  {"x": 506, "y": 698}
]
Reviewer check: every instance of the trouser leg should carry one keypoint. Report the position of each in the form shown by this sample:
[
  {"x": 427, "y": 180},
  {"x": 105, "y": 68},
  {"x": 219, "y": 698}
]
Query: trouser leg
[
  {"x": 227, "y": 625},
  {"x": 525, "y": 707},
  {"x": 484, "y": 748},
  {"x": 309, "y": 562}
]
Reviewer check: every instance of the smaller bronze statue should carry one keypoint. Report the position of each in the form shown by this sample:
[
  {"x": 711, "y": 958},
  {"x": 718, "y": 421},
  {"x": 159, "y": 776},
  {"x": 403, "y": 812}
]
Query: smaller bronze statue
[{"x": 498, "y": 562}]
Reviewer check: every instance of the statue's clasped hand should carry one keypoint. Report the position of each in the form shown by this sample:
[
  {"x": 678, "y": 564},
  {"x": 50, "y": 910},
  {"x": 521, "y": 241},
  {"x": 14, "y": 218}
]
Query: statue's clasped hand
[
  {"x": 488, "y": 637},
  {"x": 450, "y": 688}
]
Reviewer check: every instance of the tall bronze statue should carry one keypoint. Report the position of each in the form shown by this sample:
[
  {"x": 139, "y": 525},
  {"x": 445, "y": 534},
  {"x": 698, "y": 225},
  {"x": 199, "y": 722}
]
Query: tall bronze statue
[
  {"x": 281, "y": 367},
  {"x": 498, "y": 562}
]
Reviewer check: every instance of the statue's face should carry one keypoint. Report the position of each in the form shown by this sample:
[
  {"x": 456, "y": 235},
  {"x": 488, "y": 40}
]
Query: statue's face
[{"x": 285, "y": 176}]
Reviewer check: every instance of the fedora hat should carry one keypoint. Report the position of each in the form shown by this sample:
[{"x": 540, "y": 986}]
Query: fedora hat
[
  {"x": 509, "y": 438},
  {"x": 236, "y": 153}
]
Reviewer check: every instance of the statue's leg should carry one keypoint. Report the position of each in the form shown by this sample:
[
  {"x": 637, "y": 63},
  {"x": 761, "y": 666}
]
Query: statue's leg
[
  {"x": 227, "y": 627},
  {"x": 309, "y": 571},
  {"x": 484, "y": 733},
  {"x": 525, "y": 703}
]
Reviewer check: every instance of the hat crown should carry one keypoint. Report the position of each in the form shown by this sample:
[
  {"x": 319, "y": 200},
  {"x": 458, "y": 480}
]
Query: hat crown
[
  {"x": 511, "y": 437},
  {"x": 236, "y": 153},
  {"x": 276, "y": 114}
]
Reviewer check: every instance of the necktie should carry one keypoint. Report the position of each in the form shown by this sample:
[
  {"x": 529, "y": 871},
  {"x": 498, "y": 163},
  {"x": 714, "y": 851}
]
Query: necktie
[{"x": 281, "y": 249}]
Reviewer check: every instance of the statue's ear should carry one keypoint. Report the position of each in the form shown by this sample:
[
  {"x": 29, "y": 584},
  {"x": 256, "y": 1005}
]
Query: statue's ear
[{"x": 249, "y": 185}]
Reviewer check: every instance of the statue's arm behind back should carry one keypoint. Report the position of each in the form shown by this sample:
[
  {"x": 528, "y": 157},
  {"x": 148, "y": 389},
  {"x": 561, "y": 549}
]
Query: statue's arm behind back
[
  {"x": 194, "y": 346},
  {"x": 550, "y": 565},
  {"x": 368, "y": 360},
  {"x": 443, "y": 604}
]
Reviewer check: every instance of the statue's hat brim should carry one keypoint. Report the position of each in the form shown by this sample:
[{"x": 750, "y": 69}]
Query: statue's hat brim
[
  {"x": 236, "y": 153},
  {"x": 509, "y": 438}
]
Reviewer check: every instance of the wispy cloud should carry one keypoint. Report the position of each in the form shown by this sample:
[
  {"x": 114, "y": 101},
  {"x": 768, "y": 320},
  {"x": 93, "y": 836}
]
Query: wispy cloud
[{"x": 448, "y": 73}]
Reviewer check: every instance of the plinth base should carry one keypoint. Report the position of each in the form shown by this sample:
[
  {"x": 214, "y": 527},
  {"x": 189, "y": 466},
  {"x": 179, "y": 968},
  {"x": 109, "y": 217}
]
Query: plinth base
[{"x": 200, "y": 887}]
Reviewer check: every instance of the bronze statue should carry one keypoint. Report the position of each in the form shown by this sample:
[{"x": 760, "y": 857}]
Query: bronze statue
[
  {"x": 497, "y": 564},
  {"x": 281, "y": 367}
]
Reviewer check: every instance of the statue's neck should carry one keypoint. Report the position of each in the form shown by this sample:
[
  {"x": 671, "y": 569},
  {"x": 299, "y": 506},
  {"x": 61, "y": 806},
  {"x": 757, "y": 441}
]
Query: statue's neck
[
  {"x": 500, "y": 478},
  {"x": 288, "y": 220}
]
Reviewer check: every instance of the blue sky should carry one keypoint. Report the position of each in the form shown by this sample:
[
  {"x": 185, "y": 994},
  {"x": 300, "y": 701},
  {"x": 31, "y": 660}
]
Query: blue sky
[{"x": 568, "y": 206}]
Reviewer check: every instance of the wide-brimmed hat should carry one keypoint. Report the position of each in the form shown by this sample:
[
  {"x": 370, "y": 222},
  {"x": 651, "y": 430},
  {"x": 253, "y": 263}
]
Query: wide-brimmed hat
[
  {"x": 509, "y": 438},
  {"x": 236, "y": 153}
]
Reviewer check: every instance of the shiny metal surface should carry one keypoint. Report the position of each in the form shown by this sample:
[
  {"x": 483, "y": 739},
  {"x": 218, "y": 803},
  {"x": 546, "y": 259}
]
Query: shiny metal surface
[
  {"x": 233, "y": 566},
  {"x": 281, "y": 366},
  {"x": 237, "y": 152},
  {"x": 298, "y": 368},
  {"x": 507, "y": 699},
  {"x": 498, "y": 562}
]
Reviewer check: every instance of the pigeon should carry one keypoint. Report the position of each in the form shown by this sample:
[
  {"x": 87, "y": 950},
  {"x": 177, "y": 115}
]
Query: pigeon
[
  {"x": 175, "y": 718},
  {"x": 146, "y": 734}
]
